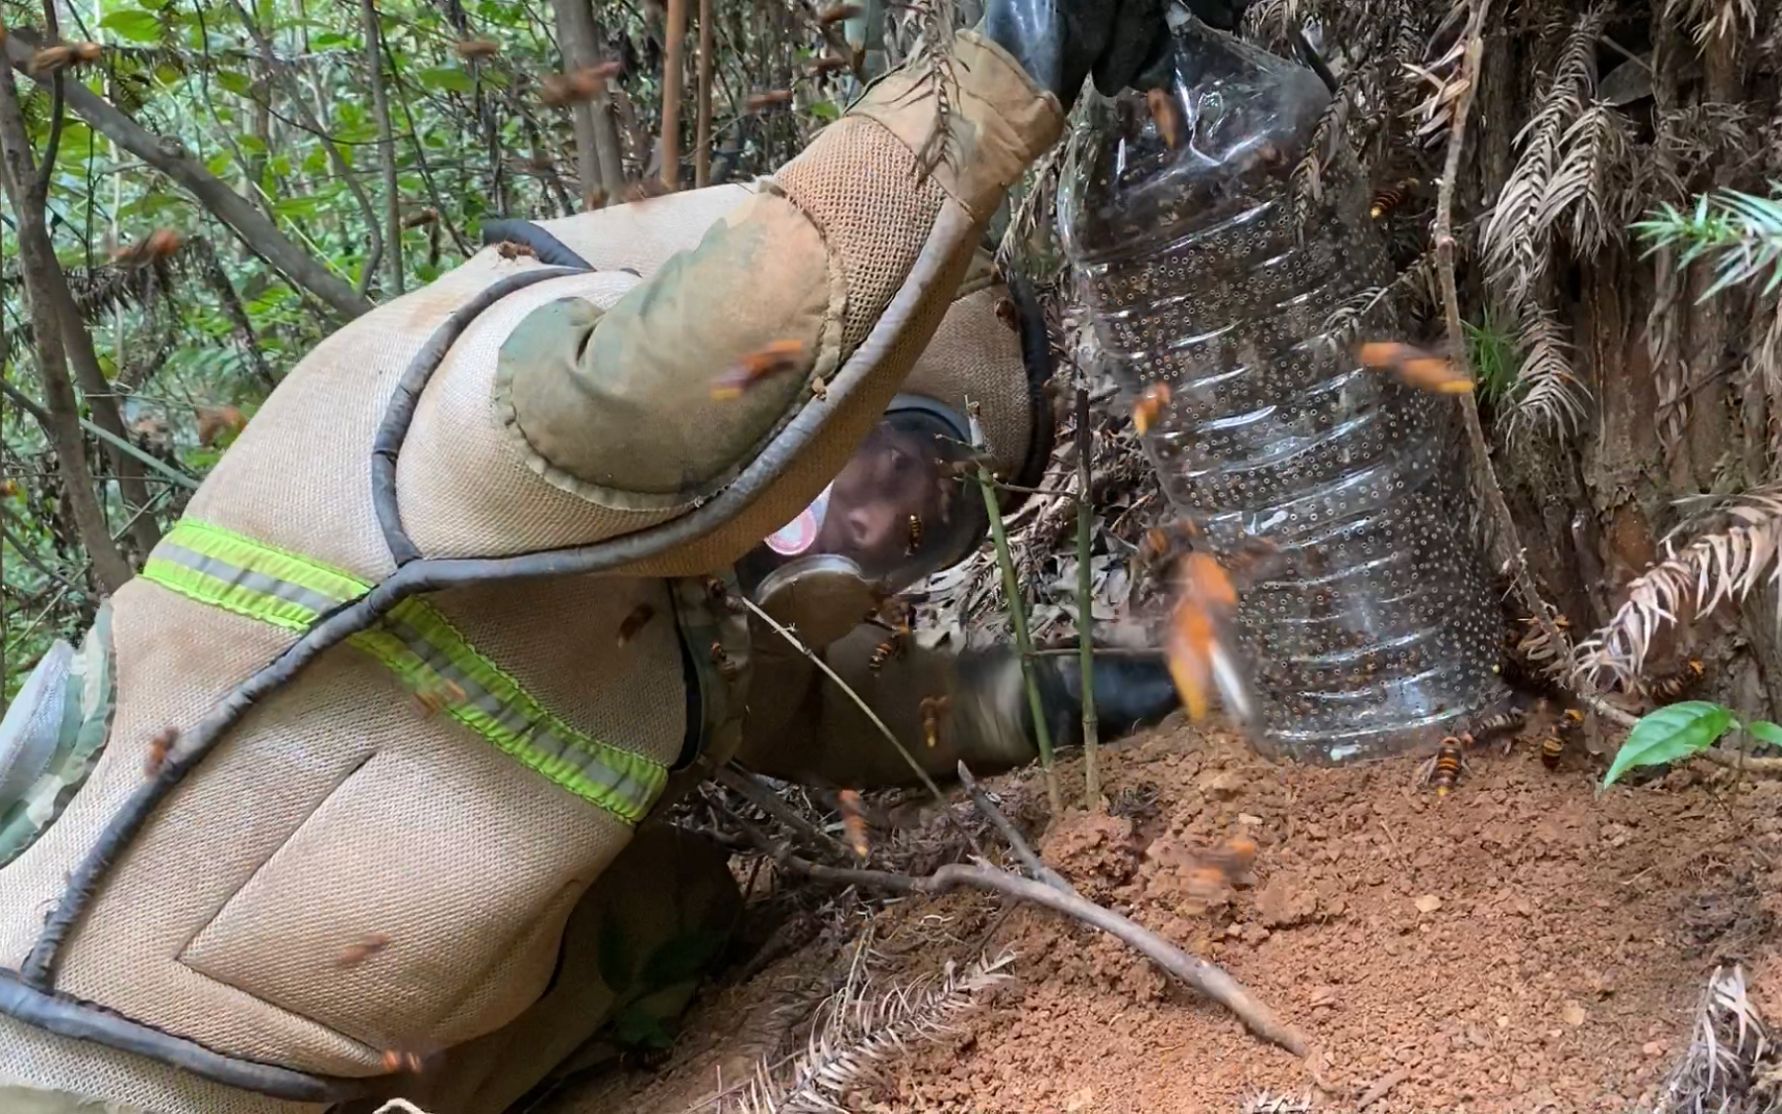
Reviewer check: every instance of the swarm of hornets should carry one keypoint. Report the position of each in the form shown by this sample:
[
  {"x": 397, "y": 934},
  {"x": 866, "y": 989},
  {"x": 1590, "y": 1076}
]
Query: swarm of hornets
[{"x": 1442, "y": 771}]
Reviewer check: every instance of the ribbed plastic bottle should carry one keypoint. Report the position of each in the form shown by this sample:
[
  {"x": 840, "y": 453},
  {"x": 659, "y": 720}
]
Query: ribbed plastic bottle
[{"x": 1205, "y": 267}]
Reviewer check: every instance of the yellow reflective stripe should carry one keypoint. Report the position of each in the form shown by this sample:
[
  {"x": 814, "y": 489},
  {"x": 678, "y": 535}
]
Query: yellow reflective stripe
[
  {"x": 227, "y": 593},
  {"x": 268, "y": 560},
  {"x": 416, "y": 642},
  {"x": 422, "y": 646},
  {"x": 227, "y": 570}
]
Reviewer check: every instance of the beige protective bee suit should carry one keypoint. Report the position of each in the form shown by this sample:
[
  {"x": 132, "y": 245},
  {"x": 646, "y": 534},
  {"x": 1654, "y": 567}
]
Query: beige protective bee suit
[{"x": 374, "y": 734}]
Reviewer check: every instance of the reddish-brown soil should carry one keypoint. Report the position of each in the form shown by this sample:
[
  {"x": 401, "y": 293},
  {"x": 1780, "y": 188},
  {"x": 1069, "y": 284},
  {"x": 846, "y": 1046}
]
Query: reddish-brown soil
[{"x": 1526, "y": 944}]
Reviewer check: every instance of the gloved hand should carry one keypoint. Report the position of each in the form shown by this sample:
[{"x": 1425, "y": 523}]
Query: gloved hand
[
  {"x": 1060, "y": 42},
  {"x": 1120, "y": 42},
  {"x": 1131, "y": 691}
]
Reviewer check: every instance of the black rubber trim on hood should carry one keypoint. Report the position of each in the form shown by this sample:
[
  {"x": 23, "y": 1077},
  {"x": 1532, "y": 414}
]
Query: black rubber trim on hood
[{"x": 547, "y": 247}]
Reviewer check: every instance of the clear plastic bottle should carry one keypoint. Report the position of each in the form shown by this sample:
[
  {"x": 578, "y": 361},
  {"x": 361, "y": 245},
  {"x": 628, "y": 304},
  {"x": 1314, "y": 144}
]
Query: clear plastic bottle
[{"x": 1205, "y": 267}]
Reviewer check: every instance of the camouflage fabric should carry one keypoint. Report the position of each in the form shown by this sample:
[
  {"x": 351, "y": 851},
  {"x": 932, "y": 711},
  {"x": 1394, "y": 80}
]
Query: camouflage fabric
[{"x": 87, "y": 702}]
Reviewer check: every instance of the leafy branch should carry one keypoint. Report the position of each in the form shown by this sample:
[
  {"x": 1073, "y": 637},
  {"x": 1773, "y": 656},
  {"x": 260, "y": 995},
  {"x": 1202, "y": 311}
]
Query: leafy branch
[
  {"x": 1684, "y": 730},
  {"x": 1740, "y": 231}
]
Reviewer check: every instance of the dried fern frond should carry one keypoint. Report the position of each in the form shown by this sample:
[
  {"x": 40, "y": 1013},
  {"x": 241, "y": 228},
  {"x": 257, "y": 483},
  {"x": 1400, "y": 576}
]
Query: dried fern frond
[
  {"x": 1443, "y": 76},
  {"x": 1593, "y": 149},
  {"x": 1548, "y": 395},
  {"x": 935, "y": 19},
  {"x": 1308, "y": 175},
  {"x": 1356, "y": 313},
  {"x": 1742, "y": 232},
  {"x": 1728, "y": 1057},
  {"x": 1515, "y": 236},
  {"x": 864, "y": 1033},
  {"x": 1719, "y": 565},
  {"x": 1272, "y": 23},
  {"x": 1721, "y": 22}
]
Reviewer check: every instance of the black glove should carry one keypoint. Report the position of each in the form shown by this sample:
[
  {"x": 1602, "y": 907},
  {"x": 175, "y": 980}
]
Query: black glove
[
  {"x": 1060, "y": 42},
  {"x": 1120, "y": 42},
  {"x": 1131, "y": 691}
]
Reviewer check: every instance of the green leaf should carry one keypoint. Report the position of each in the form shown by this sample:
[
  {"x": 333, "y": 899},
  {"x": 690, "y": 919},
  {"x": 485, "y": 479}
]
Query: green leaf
[
  {"x": 447, "y": 79},
  {"x": 329, "y": 40},
  {"x": 307, "y": 206},
  {"x": 238, "y": 83},
  {"x": 1765, "y": 732},
  {"x": 1670, "y": 733},
  {"x": 825, "y": 110},
  {"x": 252, "y": 144},
  {"x": 218, "y": 163},
  {"x": 134, "y": 24},
  {"x": 77, "y": 144}
]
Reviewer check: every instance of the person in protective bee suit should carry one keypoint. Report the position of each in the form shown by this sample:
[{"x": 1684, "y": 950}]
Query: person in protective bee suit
[{"x": 359, "y": 772}]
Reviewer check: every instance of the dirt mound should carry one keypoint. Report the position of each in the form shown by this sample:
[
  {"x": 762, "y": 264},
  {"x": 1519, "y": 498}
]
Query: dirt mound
[{"x": 1522, "y": 945}]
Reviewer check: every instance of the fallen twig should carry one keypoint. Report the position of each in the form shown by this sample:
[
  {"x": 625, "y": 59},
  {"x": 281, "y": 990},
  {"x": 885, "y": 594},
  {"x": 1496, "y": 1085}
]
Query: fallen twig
[
  {"x": 1199, "y": 975},
  {"x": 1739, "y": 760},
  {"x": 1029, "y": 859},
  {"x": 769, "y": 802},
  {"x": 1380, "y": 1090}
]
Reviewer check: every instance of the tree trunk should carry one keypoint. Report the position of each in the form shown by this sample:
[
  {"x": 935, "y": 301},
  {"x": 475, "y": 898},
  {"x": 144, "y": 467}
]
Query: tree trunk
[
  {"x": 386, "y": 144},
  {"x": 168, "y": 155},
  {"x": 702, "y": 133},
  {"x": 673, "y": 63},
  {"x": 37, "y": 257},
  {"x": 587, "y": 153},
  {"x": 580, "y": 48}
]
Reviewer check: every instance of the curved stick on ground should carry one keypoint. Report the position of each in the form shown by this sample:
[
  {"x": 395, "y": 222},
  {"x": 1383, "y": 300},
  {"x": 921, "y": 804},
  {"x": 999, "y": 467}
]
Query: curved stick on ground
[
  {"x": 1739, "y": 760},
  {"x": 1023, "y": 851},
  {"x": 1196, "y": 973}
]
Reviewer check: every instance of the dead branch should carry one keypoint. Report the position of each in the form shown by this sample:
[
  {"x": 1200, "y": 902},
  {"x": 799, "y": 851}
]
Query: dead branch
[
  {"x": 1739, "y": 760},
  {"x": 1029, "y": 859},
  {"x": 1506, "y": 540},
  {"x": 168, "y": 155},
  {"x": 769, "y": 802},
  {"x": 702, "y": 127},
  {"x": 1199, "y": 975},
  {"x": 1380, "y": 1090},
  {"x": 386, "y": 142},
  {"x": 37, "y": 256},
  {"x": 673, "y": 63}
]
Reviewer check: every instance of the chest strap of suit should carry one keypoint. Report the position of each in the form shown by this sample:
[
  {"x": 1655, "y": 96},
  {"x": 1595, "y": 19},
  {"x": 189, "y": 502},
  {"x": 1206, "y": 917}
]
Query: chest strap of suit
[{"x": 416, "y": 642}]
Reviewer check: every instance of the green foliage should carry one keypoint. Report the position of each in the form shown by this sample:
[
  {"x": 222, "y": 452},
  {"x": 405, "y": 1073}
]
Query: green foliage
[
  {"x": 1742, "y": 232},
  {"x": 134, "y": 24},
  {"x": 1492, "y": 349},
  {"x": 1679, "y": 731},
  {"x": 471, "y": 140}
]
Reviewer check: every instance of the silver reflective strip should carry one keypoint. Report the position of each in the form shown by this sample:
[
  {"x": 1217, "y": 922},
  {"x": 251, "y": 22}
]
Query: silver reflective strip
[
  {"x": 246, "y": 578},
  {"x": 538, "y": 735}
]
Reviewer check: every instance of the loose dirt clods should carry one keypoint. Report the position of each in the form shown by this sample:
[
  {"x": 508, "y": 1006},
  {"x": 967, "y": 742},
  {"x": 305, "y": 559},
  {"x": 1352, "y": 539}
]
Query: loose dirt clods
[{"x": 1528, "y": 945}]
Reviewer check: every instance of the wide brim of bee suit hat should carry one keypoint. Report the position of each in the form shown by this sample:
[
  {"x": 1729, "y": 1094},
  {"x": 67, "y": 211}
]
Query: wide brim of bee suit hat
[{"x": 991, "y": 348}]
